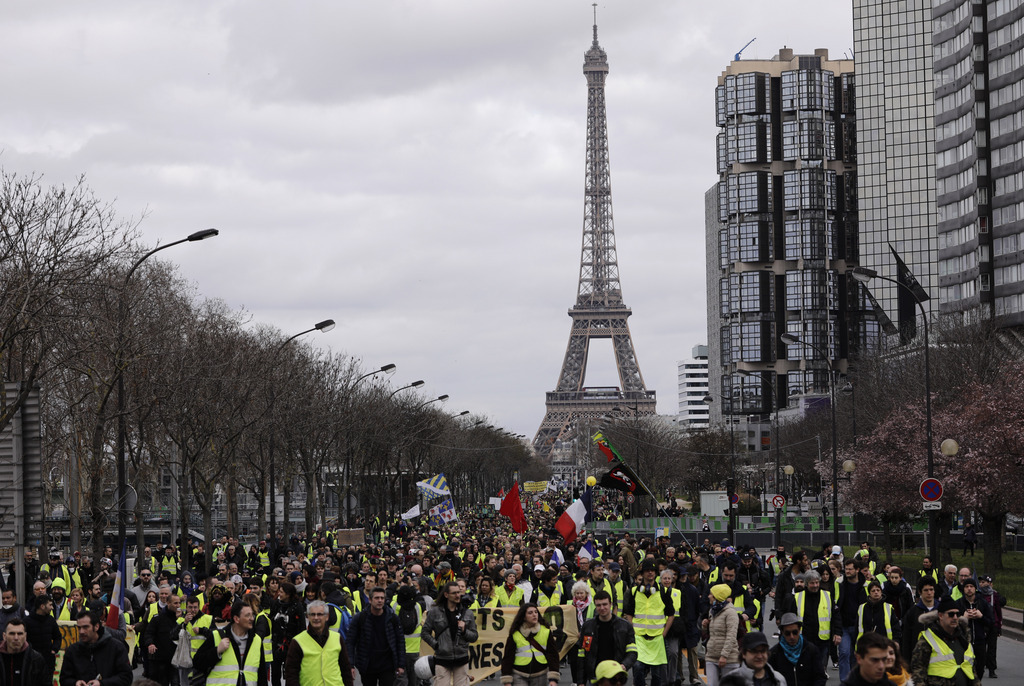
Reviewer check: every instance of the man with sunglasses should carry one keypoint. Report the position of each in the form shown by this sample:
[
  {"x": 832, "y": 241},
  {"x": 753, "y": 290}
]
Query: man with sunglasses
[
  {"x": 944, "y": 655},
  {"x": 796, "y": 658}
]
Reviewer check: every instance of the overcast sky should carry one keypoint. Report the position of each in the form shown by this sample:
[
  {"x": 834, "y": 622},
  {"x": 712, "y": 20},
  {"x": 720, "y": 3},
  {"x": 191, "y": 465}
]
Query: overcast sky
[{"x": 413, "y": 170}]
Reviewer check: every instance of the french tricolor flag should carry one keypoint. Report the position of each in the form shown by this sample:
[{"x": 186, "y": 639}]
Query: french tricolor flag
[
  {"x": 574, "y": 518},
  {"x": 117, "y": 595}
]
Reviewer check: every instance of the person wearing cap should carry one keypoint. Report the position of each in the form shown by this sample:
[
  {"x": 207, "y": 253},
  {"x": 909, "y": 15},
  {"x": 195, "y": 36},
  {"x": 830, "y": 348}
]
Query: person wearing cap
[
  {"x": 795, "y": 658},
  {"x": 980, "y": 621},
  {"x": 55, "y": 567},
  {"x": 996, "y": 602},
  {"x": 618, "y": 585},
  {"x": 610, "y": 673},
  {"x": 722, "y": 655},
  {"x": 651, "y": 610},
  {"x": 944, "y": 656},
  {"x": 815, "y": 608},
  {"x": 755, "y": 579},
  {"x": 754, "y": 667},
  {"x": 604, "y": 636}
]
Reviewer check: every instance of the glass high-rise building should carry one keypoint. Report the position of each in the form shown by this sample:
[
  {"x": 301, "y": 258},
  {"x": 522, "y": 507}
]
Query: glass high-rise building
[
  {"x": 785, "y": 233},
  {"x": 896, "y": 149},
  {"x": 978, "y": 62}
]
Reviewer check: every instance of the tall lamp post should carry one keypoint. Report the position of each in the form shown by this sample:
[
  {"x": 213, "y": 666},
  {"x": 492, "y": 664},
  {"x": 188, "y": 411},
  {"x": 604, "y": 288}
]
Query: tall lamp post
[
  {"x": 731, "y": 482},
  {"x": 385, "y": 369},
  {"x": 863, "y": 275},
  {"x": 414, "y": 384},
  {"x": 775, "y": 449},
  {"x": 790, "y": 339},
  {"x": 119, "y": 361},
  {"x": 324, "y": 326}
]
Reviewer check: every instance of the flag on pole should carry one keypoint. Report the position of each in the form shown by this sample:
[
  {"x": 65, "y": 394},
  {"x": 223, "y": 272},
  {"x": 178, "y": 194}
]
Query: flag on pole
[
  {"x": 117, "y": 595},
  {"x": 574, "y": 518},
  {"x": 620, "y": 478},
  {"x": 883, "y": 319},
  {"x": 906, "y": 277},
  {"x": 413, "y": 513},
  {"x": 606, "y": 448},
  {"x": 442, "y": 513},
  {"x": 435, "y": 485},
  {"x": 512, "y": 508}
]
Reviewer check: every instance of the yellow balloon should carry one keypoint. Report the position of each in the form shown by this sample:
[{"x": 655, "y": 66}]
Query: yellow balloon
[{"x": 591, "y": 481}]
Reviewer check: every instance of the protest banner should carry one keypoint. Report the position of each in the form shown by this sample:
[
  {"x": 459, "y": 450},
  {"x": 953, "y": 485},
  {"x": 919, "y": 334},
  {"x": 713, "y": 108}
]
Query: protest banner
[{"x": 493, "y": 625}]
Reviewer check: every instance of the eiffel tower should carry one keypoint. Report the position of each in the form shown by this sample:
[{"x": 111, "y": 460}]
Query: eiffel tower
[{"x": 599, "y": 311}]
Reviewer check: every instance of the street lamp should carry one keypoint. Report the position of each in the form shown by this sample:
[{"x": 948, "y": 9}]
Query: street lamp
[
  {"x": 414, "y": 384},
  {"x": 863, "y": 275},
  {"x": 790, "y": 339},
  {"x": 775, "y": 447},
  {"x": 324, "y": 326},
  {"x": 438, "y": 399},
  {"x": 388, "y": 369},
  {"x": 731, "y": 482},
  {"x": 122, "y": 422}
]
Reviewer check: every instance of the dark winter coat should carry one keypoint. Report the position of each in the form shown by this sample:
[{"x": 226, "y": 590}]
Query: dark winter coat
[
  {"x": 33, "y": 668},
  {"x": 806, "y": 672},
  {"x": 107, "y": 657},
  {"x": 358, "y": 640}
]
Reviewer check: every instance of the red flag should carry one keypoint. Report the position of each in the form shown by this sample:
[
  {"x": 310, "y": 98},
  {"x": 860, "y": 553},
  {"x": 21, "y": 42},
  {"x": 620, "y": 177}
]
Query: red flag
[
  {"x": 513, "y": 509},
  {"x": 501, "y": 493}
]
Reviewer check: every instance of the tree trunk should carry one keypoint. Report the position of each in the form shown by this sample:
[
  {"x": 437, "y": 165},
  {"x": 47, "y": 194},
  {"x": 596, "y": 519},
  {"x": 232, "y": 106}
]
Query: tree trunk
[
  {"x": 140, "y": 526},
  {"x": 231, "y": 502},
  {"x": 307, "y": 478},
  {"x": 992, "y": 527},
  {"x": 208, "y": 528},
  {"x": 259, "y": 492},
  {"x": 184, "y": 549},
  {"x": 886, "y": 538},
  {"x": 321, "y": 499},
  {"x": 285, "y": 520}
]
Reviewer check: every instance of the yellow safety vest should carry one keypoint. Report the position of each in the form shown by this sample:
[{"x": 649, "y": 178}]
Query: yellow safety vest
[
  {"x": 607, "y": 586},
  {"x": 493, "y": 602},
  {"x": 886, "y": 612},
  {"x": 152, "y": 611},
  {"x": 713, "y": 577},
  {"x": 824, "y": 612},
  {"x": 169, "y": 564},
  {"x": 412, "y": 641},
  {"x": 648, "y": 612},
  {"x": 65, "y": 612},
  {"x": 227, "y": 669},
  {"x": 506, "y": 600},
  {"x": 319, "y": 665},
  {"x": 548, "y": 601},
  {"x": 195, "y": 637},
  {"x": 526, "y": 653},
  {"x": 618, "y": 596},
  {"x": 943, "y": 662},
  {"x": 932, "y": 573},
  {"x": 775, "y": 564},
  {"x": 268, "y": 640},
  {"x": 264, "y": 558}
]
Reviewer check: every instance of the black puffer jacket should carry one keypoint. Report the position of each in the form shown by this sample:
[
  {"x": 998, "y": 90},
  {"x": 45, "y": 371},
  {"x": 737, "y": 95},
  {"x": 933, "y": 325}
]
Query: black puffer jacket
[
  {"x": 33, "y": 668},
  {"x": 107, "y": 657}
]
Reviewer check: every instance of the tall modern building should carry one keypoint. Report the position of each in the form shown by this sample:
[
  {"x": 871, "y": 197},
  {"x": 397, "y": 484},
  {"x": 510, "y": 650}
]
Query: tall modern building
[
  {"x": 978, "y": 61},
  {"x": 692, "y": 379},
  {"x": 896, "y": 149},
  {"x": 782, "y": 232}
]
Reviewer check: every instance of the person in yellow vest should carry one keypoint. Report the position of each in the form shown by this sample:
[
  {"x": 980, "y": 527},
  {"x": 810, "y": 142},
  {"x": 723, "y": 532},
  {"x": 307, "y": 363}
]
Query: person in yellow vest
[
  {"x": 816, "y": 608},
  {"x": 649, "y": 607},
  {"x": 410, "y": 616},
  {"x": 233, "y": 656},
  {"x": 485, "y": 596},
  {"x": 944, "y": 655},
  {"x": 877, "y": 615},
  {"x": 197, "y": 626},
  {"x": 263, "y": 556},
  {"x": 509, "y": 595},
  {"x": 548, "y": 593},
  {"x": 531, "y": 654},
  {"x": 317, "y": 656},
  {"x": 61, "y": 606}
]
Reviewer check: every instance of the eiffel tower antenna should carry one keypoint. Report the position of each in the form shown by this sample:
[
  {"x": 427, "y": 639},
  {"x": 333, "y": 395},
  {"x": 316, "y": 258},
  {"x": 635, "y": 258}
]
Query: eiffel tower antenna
[{"x": 599, "y": 311}]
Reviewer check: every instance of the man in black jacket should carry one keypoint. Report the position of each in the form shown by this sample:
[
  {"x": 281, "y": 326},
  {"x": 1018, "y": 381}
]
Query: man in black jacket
[
  {"x": 808, "y": 667},
  {"x": 605, "y": 637},
  {"x": 19, "y": 664},
  {"x": 158, "y": 641},
  {"x": 96, "y": 658},
  {"x": 43, "y": 632}
]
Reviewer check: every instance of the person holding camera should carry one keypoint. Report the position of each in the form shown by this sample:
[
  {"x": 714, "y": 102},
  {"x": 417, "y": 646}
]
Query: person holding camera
[{"x": 448, "y": 629}]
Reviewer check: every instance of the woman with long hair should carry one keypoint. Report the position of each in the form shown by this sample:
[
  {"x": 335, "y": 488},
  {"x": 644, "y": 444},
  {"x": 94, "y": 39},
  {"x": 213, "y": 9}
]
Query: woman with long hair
[
  {"x": 896, "y": 669},
  {"x": 531, "y": 654},
  {"x": 288, "y": 621},
  {"x": 484, "y": 594}
]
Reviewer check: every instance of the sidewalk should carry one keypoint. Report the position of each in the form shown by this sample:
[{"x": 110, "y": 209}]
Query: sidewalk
[{"x": 1013, "y": 623}]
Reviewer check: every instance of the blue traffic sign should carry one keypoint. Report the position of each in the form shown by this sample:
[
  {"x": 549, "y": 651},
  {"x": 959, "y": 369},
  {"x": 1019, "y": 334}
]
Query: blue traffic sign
[{"x": 931, "y": 490}]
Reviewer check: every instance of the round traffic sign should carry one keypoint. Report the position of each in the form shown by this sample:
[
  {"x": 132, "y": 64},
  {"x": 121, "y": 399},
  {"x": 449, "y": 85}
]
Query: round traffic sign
[
  {"x": 779, "y": 501},
  {"x": 931, "y": 490},
  {"x": 630, "y": 498},
  {"x": 735, "y": 499}
]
